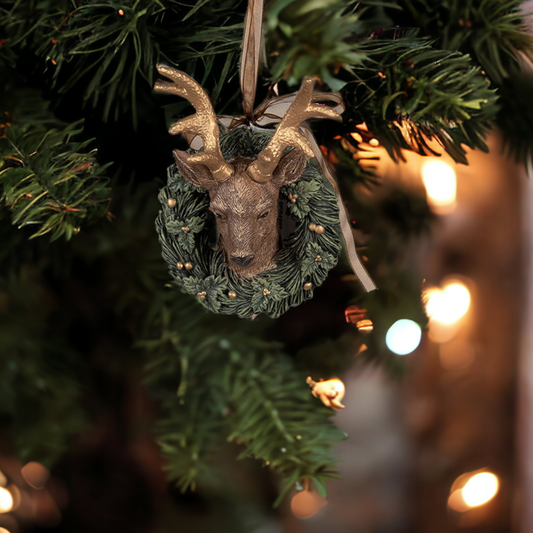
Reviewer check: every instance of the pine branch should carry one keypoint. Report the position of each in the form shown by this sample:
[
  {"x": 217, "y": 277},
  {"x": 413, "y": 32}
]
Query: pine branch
[
  {"x": 49, "y": 179},
  {"x": 408, "y": 91},
  {"x": 492, "y": 31},
  {"x": 238, "y": 386},
  {"x": 307, "y": 38},
  {"x": 277, "y": 419}
]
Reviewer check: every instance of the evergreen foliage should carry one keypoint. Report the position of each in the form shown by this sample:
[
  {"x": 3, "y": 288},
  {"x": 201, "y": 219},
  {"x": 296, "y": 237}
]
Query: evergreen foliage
[{"x": 408, "y": 69}]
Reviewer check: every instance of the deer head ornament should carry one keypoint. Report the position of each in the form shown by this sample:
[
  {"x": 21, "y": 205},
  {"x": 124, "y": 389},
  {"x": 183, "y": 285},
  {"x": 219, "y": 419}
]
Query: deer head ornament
[{"x": 243, "y": 192}]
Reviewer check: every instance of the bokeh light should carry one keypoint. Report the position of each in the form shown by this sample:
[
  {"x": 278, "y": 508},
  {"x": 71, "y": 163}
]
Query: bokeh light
[
  {"x": 3, "y": 479},
  {"x": 4, "y": 530},
  {"x": 6, "y": 500},
  {"x": 480, "y": 489},
  {"x": 403, "y": 336},
  {"x": 449, "y": 304},
  {"x": 307, "y": 503},
  {"x": 35, "y": 474},
  {"x": 441, "y": 185}
]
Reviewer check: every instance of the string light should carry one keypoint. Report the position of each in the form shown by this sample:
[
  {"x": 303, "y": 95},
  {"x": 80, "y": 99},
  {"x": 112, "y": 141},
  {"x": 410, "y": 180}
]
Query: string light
[
  {"x": 6, "y": 500},
  {"x": 447, "y": 305},
  {"x": 480, "y": 489},
  {"x": 403, "y": 336},
  {"x": 473, "y": 490},
  {"x": 441, "y": 185},
  {"x": 307, "y": 503}
]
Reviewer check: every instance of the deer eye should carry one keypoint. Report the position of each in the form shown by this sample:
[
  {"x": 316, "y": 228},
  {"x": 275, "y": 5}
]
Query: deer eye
[
  {"x": 220, "y": 216},
  {"x": 264, "y": 215}
]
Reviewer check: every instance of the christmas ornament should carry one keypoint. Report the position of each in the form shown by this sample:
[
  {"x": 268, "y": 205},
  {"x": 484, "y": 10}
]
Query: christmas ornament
[
  {"x": 330, "y": 392},
  {"x": 307, "y": 503},
  {"x": 249, "y": 222}
]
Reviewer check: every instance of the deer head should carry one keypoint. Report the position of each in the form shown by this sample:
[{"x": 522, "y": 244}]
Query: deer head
[{"x": 244, "y": 192}]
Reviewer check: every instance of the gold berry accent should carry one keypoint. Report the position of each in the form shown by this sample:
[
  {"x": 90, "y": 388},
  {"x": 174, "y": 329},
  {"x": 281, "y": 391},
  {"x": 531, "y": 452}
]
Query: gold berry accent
[
  {"x": 266, "y": 292},
  {"x": 232, "y": 295},
  {"x": 319, "y": 230},
  {"x": 188, "y": 265},
  {"x": 312, "y": 227},
  {"x": 185, "y": 229},
  {"x": 202, "y": 295},
  {"x": 171, "y": 202},
  {"x": 308, "y": 286},
  {"x": 318, "y": 258},
  {"x": 179, "y": 264}
]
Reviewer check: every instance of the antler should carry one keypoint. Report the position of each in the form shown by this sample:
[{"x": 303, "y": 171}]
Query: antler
[
  {"x": 202, "y": 123},
  {"x": 287, "y": 133}
]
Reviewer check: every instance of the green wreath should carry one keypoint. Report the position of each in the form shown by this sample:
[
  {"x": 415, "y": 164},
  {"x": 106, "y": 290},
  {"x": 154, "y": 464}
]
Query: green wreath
[{"x": 187, "y": 234}]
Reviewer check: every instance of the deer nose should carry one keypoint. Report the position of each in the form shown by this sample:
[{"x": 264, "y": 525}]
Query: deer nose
[{"x": 242, "y": 261}]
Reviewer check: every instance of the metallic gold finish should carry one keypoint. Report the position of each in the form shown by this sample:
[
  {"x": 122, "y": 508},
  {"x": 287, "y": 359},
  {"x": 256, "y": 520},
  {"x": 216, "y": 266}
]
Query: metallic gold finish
[
  {"x": 185, "y": 229},
  {"x": 203, "y": 123},
  {"x": 232, "y": 295},
  {"x": 179, "y": 265},
  {"x": 312, "y": 227},
  {"x": 188, "y": 265},
  {"x": 318, "y": 259},
  {"x": 319, "y": 230},
  {"x": 288, "y": 134},
  {"x": 266, "y": 292},
  {"x": 171, "y": 202},
  {"x": 202, "y": 295},
  {"x": 308, "y": 286}
]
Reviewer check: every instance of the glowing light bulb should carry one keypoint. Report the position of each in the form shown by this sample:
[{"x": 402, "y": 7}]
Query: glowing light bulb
[
  {"x": 6, "y": 500},
  {"x": 306, "y": 504},
  {"x": 441, "y": 185},
  {"x": 4, "y": 530},
  {"x": 448, "y": 305},
  {"x": 480, "y": 489},
  {"x": 403, "y": 336}
]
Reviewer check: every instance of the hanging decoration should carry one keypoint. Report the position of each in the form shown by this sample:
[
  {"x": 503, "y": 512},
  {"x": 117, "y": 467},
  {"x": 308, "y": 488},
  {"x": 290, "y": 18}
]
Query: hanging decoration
[
  {"x": 251, "y": 218},
  {"x": 330, "y": 392}
]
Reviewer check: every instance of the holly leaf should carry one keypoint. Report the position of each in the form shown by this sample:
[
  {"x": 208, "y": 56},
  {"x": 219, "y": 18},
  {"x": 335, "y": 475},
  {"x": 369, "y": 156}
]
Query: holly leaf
[{"x": 209, "y": 290}]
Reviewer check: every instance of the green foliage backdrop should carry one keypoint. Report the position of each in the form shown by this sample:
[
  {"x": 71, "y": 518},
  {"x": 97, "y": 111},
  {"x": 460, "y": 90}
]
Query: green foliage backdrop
[{"x": 83, "y": 152}]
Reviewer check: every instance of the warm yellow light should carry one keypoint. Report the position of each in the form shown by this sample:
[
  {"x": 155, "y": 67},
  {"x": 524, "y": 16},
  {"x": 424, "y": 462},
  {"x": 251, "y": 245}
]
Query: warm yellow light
[
  {"x": 306, "y": 504},
  {"x": 3, "y": 479},
  {"x": 441, "y": 184},
  {"x": 448, "y": 305},
  {"x": 6, "y": 500},
  {"x": 4, "y": 530},
  {"x": 480, "y": 489}
]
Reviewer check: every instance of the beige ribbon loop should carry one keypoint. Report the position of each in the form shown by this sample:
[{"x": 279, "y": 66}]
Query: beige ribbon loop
[{"x": 251, "y": 54}]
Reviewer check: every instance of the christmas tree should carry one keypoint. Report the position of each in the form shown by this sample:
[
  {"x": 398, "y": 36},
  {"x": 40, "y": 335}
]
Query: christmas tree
[{"x": 91, "y": 321}]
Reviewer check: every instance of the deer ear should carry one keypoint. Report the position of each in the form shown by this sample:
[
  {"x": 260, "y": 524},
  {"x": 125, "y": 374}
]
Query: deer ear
[
  {"x": 290, "y": 167},
  {"x": 195, "y": 173}
]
